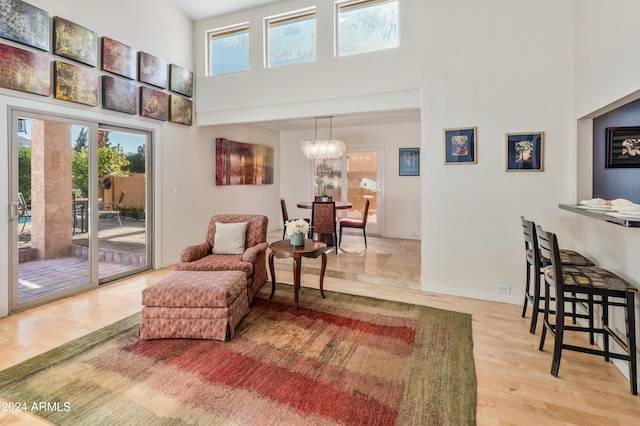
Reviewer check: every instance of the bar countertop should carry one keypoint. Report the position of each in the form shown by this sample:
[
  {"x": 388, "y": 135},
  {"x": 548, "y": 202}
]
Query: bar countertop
[{"x": 617, "y": 218}]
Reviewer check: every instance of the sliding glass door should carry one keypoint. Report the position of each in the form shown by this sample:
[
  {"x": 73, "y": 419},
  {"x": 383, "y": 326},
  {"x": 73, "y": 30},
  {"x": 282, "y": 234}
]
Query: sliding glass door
[{"x": 79, "y": 212}]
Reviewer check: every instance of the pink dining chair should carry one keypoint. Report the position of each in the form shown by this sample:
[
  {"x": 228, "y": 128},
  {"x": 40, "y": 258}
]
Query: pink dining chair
[{"x": 356, "y": 223}]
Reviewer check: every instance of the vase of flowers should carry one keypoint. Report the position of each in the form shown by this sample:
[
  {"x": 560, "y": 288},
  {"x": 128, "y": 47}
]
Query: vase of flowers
[{"x": 296, "y": 230}]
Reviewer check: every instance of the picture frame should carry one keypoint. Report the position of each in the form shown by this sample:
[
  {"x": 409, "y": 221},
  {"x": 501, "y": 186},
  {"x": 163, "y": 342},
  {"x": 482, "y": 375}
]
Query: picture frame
[
  {"x": 24, "y": 23},
  {"x": 622, "y": 147},
  {"x": 409, "y": 161},
  {"x": 152, "y": 70},
  {"x": 154, "y": 103},
  {"x": 180, "y": 80},
  {"x": 524, "y": 152},
  {"x": 118, "y": 58},
  {"x": 180, "y": 110},
  {"x": 24, "y": 70},
  {"x": 119, "y": 94},
  {"x": 75, "y": 42},
  {"x": 241, "y": 163},
  {"x": 460, "y": 145},
  {"x": 75, "y": 83}
]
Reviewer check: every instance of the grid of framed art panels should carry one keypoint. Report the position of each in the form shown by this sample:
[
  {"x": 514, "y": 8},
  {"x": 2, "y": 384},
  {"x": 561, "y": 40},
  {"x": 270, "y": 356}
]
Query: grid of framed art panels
[{"x": 132, "y": 82}]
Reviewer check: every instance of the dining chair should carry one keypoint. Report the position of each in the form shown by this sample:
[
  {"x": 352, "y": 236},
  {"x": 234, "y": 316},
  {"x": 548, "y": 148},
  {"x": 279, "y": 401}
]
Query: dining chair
[
  {"x": 580, "y": 284},
  {"x": 535, "y": 262},
  {"x": 357, "y": 224},
  {"x": 320, "y": 197},
  {"x": 285, "y": 217},
  {"x": 323, "y": 219}
]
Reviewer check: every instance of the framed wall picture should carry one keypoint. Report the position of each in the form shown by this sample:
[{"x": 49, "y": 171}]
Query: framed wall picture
[
  {"x": 180, "y": 110},
  {"x": 24, "y": 70},
  {"x": 75, "y": 83},
  {"x": 409, "y": 161},
  {"x": 75, "y": 42},
  {"x": 118, "y": 58},
  {"x": 524, "y": 152},
  {"x": 180, "y": 80},
  {"x": 460, "y": 145},
  {"x": 24, "y": 23},
  {"x": 154, "y": 103},
  {"x": 152, "y": 70},
  {"x": 240, "y": 163},
  {"x": 119, "y": 94},
  {"x": 623, "y": 147}
]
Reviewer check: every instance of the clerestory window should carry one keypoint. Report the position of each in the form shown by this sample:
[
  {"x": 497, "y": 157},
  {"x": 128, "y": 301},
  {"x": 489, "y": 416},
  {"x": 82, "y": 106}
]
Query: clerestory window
[
  {"x": 291, "y": 38},
  {"x": 366, "y": 25},
  {"x": 229, "y": 50}
]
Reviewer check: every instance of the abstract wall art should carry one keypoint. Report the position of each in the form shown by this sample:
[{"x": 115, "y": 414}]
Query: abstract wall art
[
  {"x": 75, "y": 42},
  {"x": 24, "y": 70},
  {"x": 24, "y": 23},
  {"x": 239, "y": 163}
]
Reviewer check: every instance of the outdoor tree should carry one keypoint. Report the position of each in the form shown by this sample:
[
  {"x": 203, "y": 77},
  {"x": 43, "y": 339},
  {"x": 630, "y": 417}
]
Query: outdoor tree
[
  {"x": 111, "y": 161},
  {"x": 137, "y": 160},
  {"x": 24, "y": 172}
]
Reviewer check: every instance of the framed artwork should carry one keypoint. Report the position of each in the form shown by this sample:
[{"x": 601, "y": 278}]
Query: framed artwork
[
  {"x": 460, "y": 146},
  {"x": 180, "y": 110},
  {"x": 75, "y": 42},
  {"x": 74, "y": 83},
  {"x": 239, "y": 163},
  {"x": 154, "y": 104},
  {"x": 409, "y": 161},
  {"x": 119, "y": 94},
  {"x": 623, "y": 147},
  {"x": 24, "y": 23},
  {"x": 181, "y": 80},
  {"x": 24, "y": 70},
  {"x": 524, "y": 152},
  {"x": 118, "y": 58},
  {"x": 152, "y": 70}
]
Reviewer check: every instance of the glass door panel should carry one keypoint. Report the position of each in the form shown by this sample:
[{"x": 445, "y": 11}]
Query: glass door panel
[
  {"x": 50, "y": 261},
  {"x": 364, "y": 182},
  {"x": 122, "y": 203}
]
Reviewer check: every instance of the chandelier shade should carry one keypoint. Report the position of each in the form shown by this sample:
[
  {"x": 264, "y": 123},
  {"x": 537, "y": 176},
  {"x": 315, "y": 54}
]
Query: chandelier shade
[{"x": 323, "y": 149}]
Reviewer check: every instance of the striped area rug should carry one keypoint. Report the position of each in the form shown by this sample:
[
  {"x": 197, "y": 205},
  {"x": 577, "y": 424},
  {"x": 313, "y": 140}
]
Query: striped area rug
[{"x": 343, "y": 360}]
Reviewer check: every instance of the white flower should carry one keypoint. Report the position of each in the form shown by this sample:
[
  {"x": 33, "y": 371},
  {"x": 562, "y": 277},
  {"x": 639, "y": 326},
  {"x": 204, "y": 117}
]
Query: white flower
[{"x": 298, "y": 226}]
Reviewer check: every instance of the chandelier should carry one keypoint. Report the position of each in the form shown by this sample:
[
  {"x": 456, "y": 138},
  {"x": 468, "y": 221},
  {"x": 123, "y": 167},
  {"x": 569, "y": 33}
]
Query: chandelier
[{"x": 323, "y": 149}]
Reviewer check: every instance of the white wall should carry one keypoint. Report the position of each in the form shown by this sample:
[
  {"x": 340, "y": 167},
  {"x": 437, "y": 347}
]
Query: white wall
[
  {"x": 327, "y": 86},
  {"x": 143, "y": 25},
  {"x": 402, "y": 193},
  {"x": 500, "y": 65},
  {"x": 605, "y": 78}
]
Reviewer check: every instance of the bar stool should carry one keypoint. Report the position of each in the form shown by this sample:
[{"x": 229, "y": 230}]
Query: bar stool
[
  {"x": 581, "y": 284},
  {"x": 533, "y": 259}
]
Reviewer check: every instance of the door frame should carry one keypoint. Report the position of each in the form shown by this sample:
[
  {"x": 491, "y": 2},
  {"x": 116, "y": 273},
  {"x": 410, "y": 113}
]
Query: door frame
[{"x": 93, "y": 122}]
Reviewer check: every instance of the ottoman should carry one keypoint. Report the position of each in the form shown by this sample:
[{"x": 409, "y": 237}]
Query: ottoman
[{"x": 194, "y": 305}]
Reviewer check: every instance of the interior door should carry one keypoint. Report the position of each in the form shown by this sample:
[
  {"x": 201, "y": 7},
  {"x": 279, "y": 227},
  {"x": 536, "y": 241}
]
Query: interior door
[{"x": 365, "y": 177}]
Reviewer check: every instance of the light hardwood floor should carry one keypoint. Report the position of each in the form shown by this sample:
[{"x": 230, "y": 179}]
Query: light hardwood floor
[{"x": 514, "y": 384}]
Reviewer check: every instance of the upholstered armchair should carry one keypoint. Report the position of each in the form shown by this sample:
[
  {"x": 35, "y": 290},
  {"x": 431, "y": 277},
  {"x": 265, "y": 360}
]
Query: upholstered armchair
[{"x": 249, "y": 257}]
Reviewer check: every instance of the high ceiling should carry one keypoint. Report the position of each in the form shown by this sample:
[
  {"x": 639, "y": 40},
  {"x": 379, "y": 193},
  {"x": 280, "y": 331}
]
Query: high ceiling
[{"x": 202, "y": 9}]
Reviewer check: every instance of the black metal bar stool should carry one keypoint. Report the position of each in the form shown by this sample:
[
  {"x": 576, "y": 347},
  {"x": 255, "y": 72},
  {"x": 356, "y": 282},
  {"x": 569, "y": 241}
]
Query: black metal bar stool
[
  {"x": 592, "y": 286},
  {"x": 535, "y": 262}
]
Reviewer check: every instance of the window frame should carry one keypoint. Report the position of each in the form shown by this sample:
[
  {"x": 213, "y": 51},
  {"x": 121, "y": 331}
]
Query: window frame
[
  {"x": 218, "y": 33},
  {"x": 342, "y": 5},
  {"x": 289, "y": 17}
]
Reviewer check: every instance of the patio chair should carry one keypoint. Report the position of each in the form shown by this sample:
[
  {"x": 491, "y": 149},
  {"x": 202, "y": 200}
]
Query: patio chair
[
  {"x": 24, "y": 212},
  {"x": 112, "y": 207}
]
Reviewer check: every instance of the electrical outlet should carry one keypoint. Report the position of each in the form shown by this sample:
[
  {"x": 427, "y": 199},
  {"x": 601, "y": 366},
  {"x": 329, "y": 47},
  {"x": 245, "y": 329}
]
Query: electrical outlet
[{"x": 503, "y": 289}]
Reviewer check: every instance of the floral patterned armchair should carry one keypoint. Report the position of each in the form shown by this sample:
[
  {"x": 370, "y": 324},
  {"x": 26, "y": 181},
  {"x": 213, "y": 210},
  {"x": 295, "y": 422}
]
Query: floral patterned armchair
[{"x": 252, "y": 261}]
